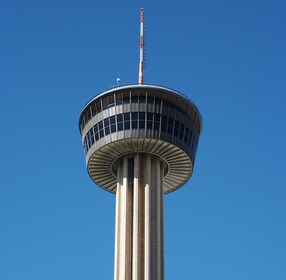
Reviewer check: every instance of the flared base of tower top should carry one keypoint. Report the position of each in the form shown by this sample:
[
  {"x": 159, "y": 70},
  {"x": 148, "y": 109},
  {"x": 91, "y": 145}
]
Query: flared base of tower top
[{"x": 139, "y": 228}]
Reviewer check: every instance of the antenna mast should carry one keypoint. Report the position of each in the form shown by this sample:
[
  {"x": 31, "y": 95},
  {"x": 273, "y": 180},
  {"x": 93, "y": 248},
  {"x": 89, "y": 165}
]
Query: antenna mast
[{"x": 141, "y": 62}]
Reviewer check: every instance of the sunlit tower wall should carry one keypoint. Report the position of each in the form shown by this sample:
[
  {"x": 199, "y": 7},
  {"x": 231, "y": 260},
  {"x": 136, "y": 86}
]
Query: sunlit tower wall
[{"x": 140, "y": 142}]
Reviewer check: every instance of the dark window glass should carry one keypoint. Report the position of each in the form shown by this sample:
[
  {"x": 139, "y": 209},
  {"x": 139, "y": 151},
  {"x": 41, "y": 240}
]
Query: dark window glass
[
  {"x": 126, "y": 125},
  {"x": 163, "y": 127},
  {"x": 134, "y": 116},
  {"x": 101, "y": 134},
  {"x": 111, "y": 102},
  {"x": 171, "y": 105},
  {"x": 100, "y": 125},
  {"x": 92, "y": 109},
  {"x": 181, "y": 133},
  {"x": 184, "y": 113},
  {"x": 95, "y": 128},
  {"x": 134, "y": 98},
  {"x": 91, "y": 132},
  {"x": 194, "y": 144},
  {"x": 96, "y": 136},
  {"x": 119, "y": 118},
  {"x": 141, "y": 120},
  {"x": 156, "y": 125},
  {"x": 119, "y": 126},
  {"x": 126, "y": 121},
  {"x": 104, "y": 103},
  {"x": 156, "y": 117},
  {"x": 149, "y": 124},
  {"x": 164, "y": 119},
  {"x": 141, "y": 115},
  {"x": 106, "y": 122},
  {"x": 190, "y": 138},
  {"x": 150, "y": 116},
  {"x": 126, "y": 99},
  {"x": 142, "y": 99},
  {"x": 126, "y": 116},
  {"x": 150, "y": 99},
  {"x": 176, "y": 128},
  {"x": 92, "y": 140},
  {"x": 186, "y": 135},
  {"x": 112, "y": 120},
  {"x": 113, "y": 128},
  {"x": 142, "y": 124},
  {"x": 179, "y": 109},
  {"x": 119, "y": 99},
  {"x": 107, "y": 130},
  {"x": 135, "y": 124},
  {"x": 158, "y": 100},
  {"x": 170, "y": 125},
  {"x": 88, "y": 113},
  {"x": 98, "y": 107},
  {"x": 166, "y": 103},
  {"x": 150, "y": 120}
]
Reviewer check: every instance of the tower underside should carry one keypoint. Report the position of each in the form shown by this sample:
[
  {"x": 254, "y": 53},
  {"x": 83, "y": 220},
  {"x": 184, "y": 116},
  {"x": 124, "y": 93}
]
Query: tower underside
[{"x": 139, "y": 242}]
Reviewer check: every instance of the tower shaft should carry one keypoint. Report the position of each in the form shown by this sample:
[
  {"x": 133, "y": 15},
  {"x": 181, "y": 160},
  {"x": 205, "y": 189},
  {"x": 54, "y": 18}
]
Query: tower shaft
[{"x": 139, "y": 238}]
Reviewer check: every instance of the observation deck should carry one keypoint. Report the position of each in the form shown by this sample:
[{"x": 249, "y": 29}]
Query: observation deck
[{"x": 140, "y": 119}]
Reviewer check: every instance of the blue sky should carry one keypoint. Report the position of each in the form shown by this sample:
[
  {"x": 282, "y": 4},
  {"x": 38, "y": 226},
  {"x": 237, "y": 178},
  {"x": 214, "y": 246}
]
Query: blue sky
[{"x": 228, "y": 221}]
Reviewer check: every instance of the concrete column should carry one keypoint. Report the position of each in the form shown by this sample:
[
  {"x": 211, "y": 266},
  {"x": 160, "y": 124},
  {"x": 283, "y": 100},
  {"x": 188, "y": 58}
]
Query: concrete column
[
  {"x": 122, "y": 269},
  {"x": 156, "y": 231},
  {"x": 139, "y": 253},
  {"x": 117, "y": 223},
  {"x": 147, "y": 217},
  {"x": 138, "y": 221}
]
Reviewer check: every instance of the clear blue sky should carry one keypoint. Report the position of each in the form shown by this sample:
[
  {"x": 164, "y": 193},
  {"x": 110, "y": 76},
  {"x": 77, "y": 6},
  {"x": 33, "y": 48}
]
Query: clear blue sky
[{"x": 229, "y": 221}]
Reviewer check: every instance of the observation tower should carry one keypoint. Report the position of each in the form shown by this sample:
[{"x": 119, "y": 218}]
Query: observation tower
[{"x": 140, "y": 142}]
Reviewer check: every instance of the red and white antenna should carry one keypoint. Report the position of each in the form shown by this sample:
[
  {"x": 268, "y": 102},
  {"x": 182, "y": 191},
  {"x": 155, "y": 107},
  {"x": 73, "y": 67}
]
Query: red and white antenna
[{"x": 141, "y": 62}]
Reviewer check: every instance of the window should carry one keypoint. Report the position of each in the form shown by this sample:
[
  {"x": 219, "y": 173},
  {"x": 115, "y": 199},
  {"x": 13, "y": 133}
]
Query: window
[
  {"x": 126, "y": 98},
  {"x": 96, "y": 136},
  {"x": 164, "y": 120},
  {"x": 181, "y": 133},
  {"x": 158, "y": 100},
  {"x": 134, "y": 97},
  {"x": 141, "y": 120},
  {"x": 176, "y": 128},
  {"x": 190, "y": 138},
  {"x": 166, "y": 103},
  {"x": 119, "y": 122},
  {"x": 186, "y": 135},
  {"x": 134, "y": 118},
  {"x": 126, "y": 121},
  {"x": 119, "y": 99},
  {"x": 156, "y": 121},
  {"x": 106, "y": 126},
  {"x": 142, "y": 99},
  {"x": 170, "y": 125},
  {"x": 100, "y": 129},
  {"x": 112, "y": 124},
  {"x": 150, "y": 99},
  {"x": 98, "y": 107},
  {"x": 149, "y": 120}
]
